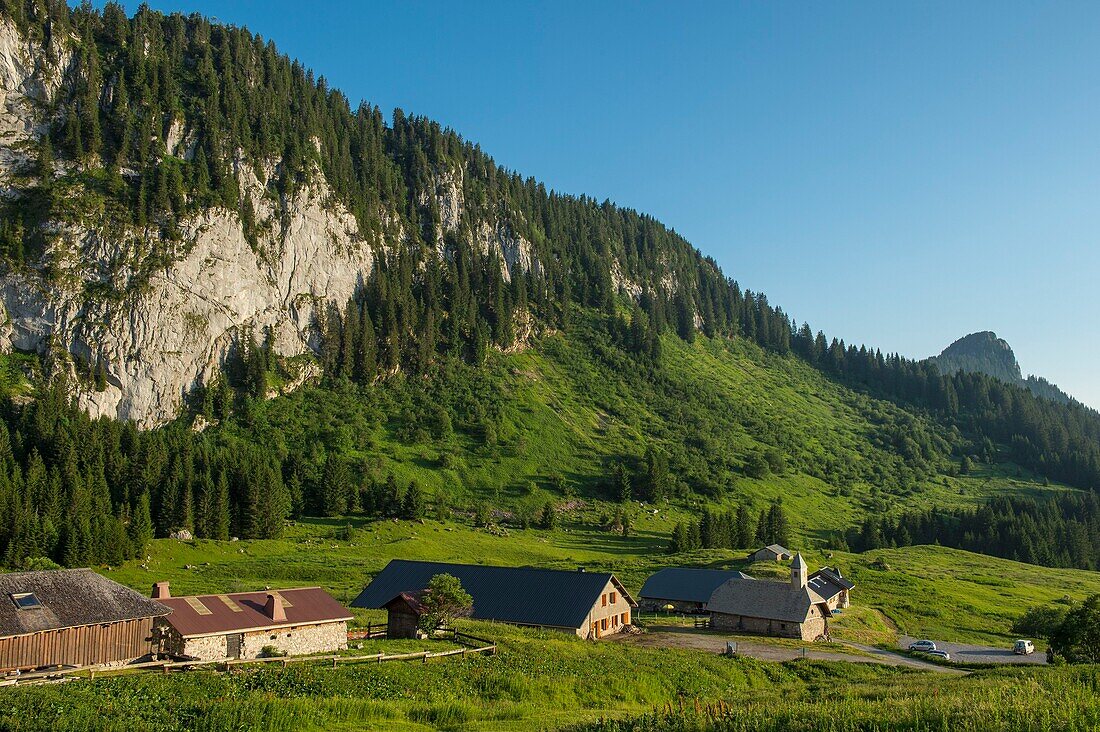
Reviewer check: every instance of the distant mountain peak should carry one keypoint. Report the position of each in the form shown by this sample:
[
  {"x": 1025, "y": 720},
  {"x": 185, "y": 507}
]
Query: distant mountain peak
[{"x": 984, "y": 353}]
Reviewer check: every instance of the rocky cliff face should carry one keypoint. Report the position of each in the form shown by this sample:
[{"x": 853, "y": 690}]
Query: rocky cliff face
[
  {"x": 985, "y": 353},
  {"x": 982, "y": 353},
  {"x": 161, "y": 332}
]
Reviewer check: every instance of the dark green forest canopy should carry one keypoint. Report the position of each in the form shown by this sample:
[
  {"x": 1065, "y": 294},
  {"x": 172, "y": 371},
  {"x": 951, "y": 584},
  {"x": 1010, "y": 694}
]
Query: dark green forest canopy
[{"x": 245, "y": 104}]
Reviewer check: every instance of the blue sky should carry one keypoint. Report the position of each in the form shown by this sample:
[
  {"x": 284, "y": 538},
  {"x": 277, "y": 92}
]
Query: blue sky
[{"x": 898, "y": 174}]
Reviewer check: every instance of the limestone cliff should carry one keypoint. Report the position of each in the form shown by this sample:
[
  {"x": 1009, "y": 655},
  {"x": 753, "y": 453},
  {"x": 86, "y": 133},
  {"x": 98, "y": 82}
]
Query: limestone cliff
[{"x": 160, "y": 331}]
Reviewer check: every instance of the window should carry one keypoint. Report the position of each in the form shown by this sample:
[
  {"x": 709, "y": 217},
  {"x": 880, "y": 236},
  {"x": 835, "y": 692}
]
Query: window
[
  {"x": 603, "y": 600},
  {"x": 613, "y": 598},
  {"x": 603, "y": 624},
  {"x": 623, "y": 619},
  {"x": 26, "y": 601}
]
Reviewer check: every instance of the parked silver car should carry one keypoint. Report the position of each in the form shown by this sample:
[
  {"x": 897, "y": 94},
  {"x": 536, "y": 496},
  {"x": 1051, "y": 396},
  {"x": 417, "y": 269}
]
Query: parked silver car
[{"x": 924, "y": 646}]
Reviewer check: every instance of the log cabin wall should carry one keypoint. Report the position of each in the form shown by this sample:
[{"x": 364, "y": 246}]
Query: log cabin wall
[{"x": 89, "y": 645}]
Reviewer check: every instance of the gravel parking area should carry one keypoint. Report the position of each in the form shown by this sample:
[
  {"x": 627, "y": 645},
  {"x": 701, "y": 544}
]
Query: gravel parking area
[
  {"x": 761, "y": 648},
  {"x": 966, "y": 653}
]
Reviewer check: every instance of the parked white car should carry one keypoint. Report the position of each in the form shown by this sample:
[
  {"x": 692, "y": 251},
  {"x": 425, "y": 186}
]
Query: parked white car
[
  {"x": 1023, "y": 648},
  {"x": 940, "y": 654},
  {"x": 924, "y": 646}
]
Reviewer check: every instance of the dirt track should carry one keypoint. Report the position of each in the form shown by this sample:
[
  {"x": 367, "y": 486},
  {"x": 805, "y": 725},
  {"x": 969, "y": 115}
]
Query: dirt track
[{"x": 715, "y": 642}]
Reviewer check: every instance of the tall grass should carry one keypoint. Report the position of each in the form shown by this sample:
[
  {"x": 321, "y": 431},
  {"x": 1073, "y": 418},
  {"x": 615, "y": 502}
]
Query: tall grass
[
  {"x": 1045, "y": 699},
  {"x": 551, "y": 681}
]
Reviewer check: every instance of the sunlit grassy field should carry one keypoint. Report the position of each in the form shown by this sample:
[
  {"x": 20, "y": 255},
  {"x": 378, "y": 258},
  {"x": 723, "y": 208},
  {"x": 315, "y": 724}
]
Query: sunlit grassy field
[
  {"x": 930, "y": 591},
  {"x": 548, "y": 680}
]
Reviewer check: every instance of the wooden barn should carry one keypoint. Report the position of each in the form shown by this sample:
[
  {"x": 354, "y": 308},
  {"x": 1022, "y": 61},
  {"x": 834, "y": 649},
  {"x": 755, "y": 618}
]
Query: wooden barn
[
  {"x": 249, "y": 624},
  {"x": 72, "y": 617},
  {"x": 589, "y": 604}
]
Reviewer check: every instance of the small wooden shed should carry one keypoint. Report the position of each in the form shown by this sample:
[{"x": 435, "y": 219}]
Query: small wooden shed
[{"x": 403, "y": 615}]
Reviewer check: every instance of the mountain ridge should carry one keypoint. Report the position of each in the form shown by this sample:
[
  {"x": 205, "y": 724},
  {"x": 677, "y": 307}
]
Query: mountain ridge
[
  {"x": 192, "y": 224},
  {"x": 983, "y": 352}
]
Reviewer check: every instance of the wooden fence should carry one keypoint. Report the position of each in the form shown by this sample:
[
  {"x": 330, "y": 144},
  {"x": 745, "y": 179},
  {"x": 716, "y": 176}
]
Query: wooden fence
[
  {"x": 372, "y": 631},
  {"x": 469, "y": 647}
]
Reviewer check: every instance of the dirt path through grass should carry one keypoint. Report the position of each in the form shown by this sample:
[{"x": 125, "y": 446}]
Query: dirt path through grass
[{"x": 772, "y": 649}]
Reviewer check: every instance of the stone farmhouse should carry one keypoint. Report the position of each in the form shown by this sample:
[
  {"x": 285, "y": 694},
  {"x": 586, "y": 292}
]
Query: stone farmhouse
[
  {"x": 786, "y": 609},
  {"x": 771, "y": 553},
  {"x": 684, "y": 589},
  {"x": 834, "y": 587},
  {"x": 589, "y": 604},
  {"x": 242, "y": 625},
  {"x": 73, "y": 617}
]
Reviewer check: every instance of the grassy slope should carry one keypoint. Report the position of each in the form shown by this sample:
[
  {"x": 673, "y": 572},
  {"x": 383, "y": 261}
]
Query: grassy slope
[
  {"x": 571, "y": 407},
  {"x": 565, "y": 409}
]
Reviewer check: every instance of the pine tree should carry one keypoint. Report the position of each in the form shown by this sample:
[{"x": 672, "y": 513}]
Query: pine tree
[
  {"x": 413, "y": 506},
  {"x": 548, "y": 518},
  {"x": 335, "y": 486},
  {"x": 141, "y": 525}
]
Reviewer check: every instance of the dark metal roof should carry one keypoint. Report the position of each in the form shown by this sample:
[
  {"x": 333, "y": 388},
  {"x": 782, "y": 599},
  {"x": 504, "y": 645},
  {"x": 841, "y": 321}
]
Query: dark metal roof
[
  {"x": 240, "y": 611},
  {"x": 828, "y": 582},
  {"x": 69, "y": 598},
  {"x": 520, "y": 595},
  {"x": 685, "y": 584}
]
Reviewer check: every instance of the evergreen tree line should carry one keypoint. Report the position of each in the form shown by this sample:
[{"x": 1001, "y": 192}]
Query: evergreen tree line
[
  {"x": 1060, "y": 532},
  {"x": 732, "y": 529},
  {"x": 81, "y": 492},
  {"x": 1060, "y": 441}
]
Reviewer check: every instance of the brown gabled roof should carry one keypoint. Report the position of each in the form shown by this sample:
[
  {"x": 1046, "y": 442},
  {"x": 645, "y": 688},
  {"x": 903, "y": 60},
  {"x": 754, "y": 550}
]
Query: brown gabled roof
[
  {"x": 216, "y": 614},
  {"x": 414, "y": 601},
  {"x": 764, "y": 599},
  {"x": 69, "y": 598}
]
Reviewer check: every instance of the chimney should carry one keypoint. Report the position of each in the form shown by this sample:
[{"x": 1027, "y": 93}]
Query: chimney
[
  {"x": 274, "y": 608},
  {"x": 161, "y": 591}
]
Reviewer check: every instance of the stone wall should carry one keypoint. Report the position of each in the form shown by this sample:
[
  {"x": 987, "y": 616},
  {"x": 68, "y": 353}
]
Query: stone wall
[
  {"x": 808, "y": 630},
  {"x": 208, "y": 648},
  {"x": 299, "y": 640}
]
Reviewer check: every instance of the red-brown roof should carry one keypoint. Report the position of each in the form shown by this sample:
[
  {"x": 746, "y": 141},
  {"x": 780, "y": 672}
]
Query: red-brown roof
[
  {"x": 240, "y": 611},
  {"x": 414, "y": 601}
]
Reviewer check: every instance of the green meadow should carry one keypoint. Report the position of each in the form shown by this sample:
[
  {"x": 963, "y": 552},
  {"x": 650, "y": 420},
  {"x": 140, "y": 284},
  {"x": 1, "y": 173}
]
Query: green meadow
[
  {"x": 547, "y": 681},
  {"x": 930, "y": 591}
]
